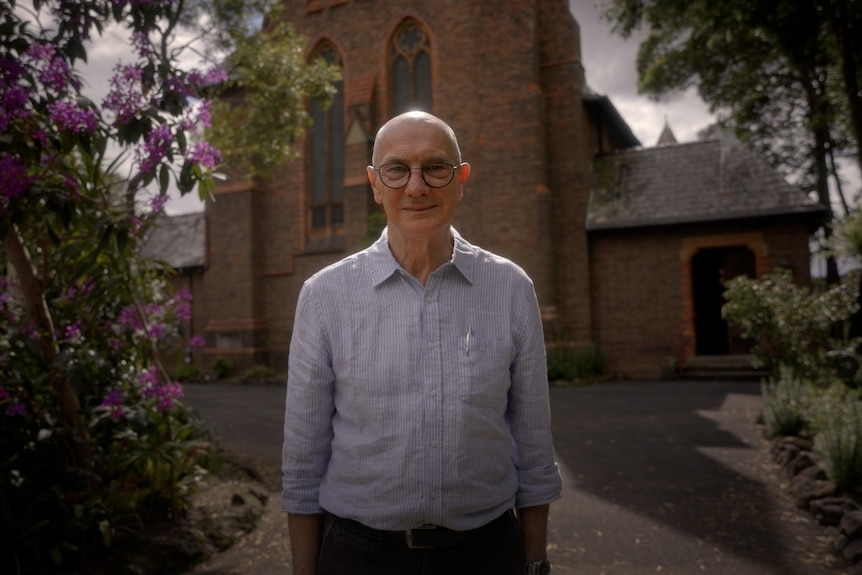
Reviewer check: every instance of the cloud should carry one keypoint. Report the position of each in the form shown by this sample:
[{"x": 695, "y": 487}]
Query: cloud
[{"x": 609, "y": 65}]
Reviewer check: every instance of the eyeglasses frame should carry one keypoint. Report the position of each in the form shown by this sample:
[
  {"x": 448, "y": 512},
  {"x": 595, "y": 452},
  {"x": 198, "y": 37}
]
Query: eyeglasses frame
[{"x": 455, "y": 168}]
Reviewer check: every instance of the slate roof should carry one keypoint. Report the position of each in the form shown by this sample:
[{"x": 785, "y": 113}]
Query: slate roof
[
  {"x": 178, "y": 240},
  {"x": 684, "y": 183}
]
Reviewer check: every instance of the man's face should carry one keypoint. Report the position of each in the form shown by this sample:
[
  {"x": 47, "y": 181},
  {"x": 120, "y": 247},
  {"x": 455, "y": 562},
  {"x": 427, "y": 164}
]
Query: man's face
[{"x": 417, "y": 210}]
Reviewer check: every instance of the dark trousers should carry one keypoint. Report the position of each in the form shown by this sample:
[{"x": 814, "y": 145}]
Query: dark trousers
[{"x": 349, "y": 548}]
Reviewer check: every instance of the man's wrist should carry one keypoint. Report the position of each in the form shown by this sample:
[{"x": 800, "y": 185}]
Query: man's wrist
[{"x": 541, "y": 567}]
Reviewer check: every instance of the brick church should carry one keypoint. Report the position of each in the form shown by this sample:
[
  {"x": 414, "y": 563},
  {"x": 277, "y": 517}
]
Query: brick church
[{"x": 627, "y": 245}]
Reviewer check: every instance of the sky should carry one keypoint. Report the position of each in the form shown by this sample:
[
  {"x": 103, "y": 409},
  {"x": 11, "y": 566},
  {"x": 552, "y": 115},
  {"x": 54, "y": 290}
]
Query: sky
[{"x": 609, "y": 62}]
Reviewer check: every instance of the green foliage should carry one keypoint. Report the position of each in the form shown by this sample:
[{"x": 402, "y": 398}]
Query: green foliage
[
  {"x": 792, "y": 325},
  {"x": 838, "y": 435},
  {"x": 571, "y": 364},
  {"x": 260, "y": 113},
  {"x": 373, "y": 229},
  {"x": 95, "y": 444},
  {"x": 186, "y": 372},
  {"x": 771, "y": 69},
  {"x": 222, "y": 367},
  {"x": 258, "y": 371},
  {"x": 786, "y": 403}
]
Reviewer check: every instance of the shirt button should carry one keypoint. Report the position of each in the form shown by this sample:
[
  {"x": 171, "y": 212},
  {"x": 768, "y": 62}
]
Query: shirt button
[
  {"x": 429, "y": 299},
  {"x": 433, "y": 393},
  {"x": 430, "y": 345},
  {"x": 433, "y": 443},
  {"x": 433, "y": 495}
]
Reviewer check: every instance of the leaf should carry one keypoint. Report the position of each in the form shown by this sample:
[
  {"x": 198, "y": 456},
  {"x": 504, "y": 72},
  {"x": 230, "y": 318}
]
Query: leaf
[
  {"x": 164, "y": 178},
  {"x": 52, "y": 235}
]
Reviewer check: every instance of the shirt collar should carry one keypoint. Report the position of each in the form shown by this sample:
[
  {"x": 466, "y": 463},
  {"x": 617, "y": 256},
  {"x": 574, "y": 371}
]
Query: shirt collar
[{"x": 383, "y": 265}]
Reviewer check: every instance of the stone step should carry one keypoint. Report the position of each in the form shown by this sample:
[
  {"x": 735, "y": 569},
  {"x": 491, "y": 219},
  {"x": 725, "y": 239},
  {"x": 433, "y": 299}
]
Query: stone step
[{"x": 723, "y": 367}]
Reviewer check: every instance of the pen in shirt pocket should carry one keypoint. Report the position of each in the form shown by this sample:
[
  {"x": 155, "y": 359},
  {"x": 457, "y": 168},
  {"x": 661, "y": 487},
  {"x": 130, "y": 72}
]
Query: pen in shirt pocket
[{"x": 467, "y": 339}]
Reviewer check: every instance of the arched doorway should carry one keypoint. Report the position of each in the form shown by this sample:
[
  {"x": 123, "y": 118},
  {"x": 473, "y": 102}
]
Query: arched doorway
[{"x": 710, "y": 268}]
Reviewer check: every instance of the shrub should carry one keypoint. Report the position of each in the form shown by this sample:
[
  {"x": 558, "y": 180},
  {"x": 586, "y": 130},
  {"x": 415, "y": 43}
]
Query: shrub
[
  {"x": 786, "y": 403},
  {"x": 222, "y": 367},
  {"x": 792, "y": 325},
  {"x": 570, "y": 364},
  {"x": 187, "y": 371},
  {"x": 838, "y": 435},
  {"x": 258, "y": 371}
]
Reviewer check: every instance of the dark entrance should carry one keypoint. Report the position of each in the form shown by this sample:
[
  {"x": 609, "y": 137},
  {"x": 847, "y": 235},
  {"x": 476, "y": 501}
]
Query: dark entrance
[{"x": 710, "y": 268}]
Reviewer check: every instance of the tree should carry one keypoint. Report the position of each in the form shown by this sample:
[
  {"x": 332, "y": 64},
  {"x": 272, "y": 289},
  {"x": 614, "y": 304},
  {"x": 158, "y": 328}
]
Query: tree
[
  {"x": 259, "y": 113},
  {"x": 94, "y": 441},
  {"x": 767, "y": 69}
]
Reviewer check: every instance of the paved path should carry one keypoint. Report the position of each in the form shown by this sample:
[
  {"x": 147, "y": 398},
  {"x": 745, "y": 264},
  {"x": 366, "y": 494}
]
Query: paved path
[{"x": 659, "y": 477}]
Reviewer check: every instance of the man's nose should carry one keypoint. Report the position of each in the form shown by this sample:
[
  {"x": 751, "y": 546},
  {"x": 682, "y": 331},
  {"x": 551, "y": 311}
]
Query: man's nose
[{"x": 416, "y": 185}]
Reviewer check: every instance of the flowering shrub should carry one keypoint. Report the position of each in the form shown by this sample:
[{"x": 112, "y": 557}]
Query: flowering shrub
[
  {"x": 95, "y": 442},
  {"x": 793, "y": 326}
]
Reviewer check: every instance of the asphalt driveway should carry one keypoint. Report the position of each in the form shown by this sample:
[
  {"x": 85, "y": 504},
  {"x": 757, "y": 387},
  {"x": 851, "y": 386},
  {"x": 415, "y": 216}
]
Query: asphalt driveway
[{"x": 659, "y": 477}]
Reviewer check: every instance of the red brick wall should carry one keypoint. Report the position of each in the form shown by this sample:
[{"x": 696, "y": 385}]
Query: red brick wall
[
  {"x": 506, "y": 77},
  {"x": 641, "y": 282}
]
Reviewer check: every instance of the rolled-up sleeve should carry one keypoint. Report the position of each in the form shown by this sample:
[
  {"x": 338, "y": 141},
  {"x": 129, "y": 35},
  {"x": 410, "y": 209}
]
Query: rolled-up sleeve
[
  {"x": 539, "y": 481},
  {"x": 309, "y": 407}
]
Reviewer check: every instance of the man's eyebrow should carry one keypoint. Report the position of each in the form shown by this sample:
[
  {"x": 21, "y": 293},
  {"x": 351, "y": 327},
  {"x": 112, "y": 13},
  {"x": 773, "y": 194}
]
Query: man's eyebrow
[{"x": 432, "y": 160}]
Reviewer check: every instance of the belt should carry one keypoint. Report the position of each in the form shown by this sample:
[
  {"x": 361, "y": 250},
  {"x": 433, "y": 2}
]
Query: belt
[{"x": 430, "y": 536}]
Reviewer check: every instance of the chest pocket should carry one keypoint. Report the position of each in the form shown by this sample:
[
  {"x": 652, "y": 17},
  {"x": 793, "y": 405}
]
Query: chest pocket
[{"x": 482, "y": 367}]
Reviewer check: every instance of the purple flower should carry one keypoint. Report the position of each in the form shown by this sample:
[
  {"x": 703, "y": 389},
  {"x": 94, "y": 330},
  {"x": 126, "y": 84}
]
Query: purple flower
[
  {"x": 149, "y": 380},
  {"x": 17, "y": 408},
  {"x": 205, "y": 155},
  {"x": 141, "y": 42},
  {"x": 167, "y": 396},
  {"x": 73, "y": 331},
  {"x": 125, "y": 98},
  {"x": 112, "y": 399},
  {"x": 130, "y": 318},
  {"x": 156, "y": 147},
  {"x": 70, "y": 116},
  {"x": 13, "y": 180},
  {"x": 3, "y": 393},
  {"x": 183, "y": 310},
  {"x": 197, "y": 342},
  {"x": 12, "y": 103},
  {"x": 157, "y": 205},
  {"x": 214, "y": 75},
  {"x": 157, "y": 330}
]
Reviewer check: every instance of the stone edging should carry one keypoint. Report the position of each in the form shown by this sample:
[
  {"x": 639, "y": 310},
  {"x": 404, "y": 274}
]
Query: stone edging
[{"x": 812, "y": 490}]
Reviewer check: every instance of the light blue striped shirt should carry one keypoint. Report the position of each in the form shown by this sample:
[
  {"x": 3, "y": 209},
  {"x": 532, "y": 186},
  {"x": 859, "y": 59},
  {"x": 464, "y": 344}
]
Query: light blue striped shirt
[{"x": 410, "y": 404}]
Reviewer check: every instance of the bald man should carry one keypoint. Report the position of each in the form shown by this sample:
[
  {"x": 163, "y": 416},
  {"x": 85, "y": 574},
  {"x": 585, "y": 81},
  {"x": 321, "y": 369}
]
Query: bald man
[{"x": 417, "y": 426}]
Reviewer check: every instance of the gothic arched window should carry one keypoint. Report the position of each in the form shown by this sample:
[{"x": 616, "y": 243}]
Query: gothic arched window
[
  {"x": 410, "y": 68},
  {"x": 326, "y": 156}
]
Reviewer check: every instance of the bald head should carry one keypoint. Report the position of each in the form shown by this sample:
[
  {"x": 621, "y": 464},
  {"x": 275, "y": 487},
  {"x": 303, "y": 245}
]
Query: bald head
[{"x": 404, "y": 121}]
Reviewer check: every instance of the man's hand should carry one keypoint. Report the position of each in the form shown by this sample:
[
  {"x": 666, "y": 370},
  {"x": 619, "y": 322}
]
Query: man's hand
[
  {"x": 305, "y": 538},
  {"x": 533, "y": 522}
]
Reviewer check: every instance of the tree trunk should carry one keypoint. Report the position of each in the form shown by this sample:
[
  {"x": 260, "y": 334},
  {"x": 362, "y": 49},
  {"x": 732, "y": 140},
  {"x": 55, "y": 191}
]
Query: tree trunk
[
  {"x": 34, "y": 296},
  {"x": 845, "y": 38}
]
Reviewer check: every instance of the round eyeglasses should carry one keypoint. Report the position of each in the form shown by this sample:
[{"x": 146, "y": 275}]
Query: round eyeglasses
[{"x": 436, "y": 174}]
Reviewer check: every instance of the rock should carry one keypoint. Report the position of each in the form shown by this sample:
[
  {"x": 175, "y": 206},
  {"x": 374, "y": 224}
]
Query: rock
[
  {"x": 785, "y": 453},
  {"x": 851, "y": 524},
  {"x": 814, "y": 472},
  {"x": 804, "y": 490},
  {"x": 227, "y": 510},
  {"x": 828, "y": 511},
  {"x": 801, "y": 443},
  {"x": 852, "y": 551},
  {"x": 800, "y": 463}
]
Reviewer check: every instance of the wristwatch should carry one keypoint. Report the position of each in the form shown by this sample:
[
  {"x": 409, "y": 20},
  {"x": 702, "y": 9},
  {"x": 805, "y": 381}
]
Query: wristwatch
[{"x": 542, "y": 567}]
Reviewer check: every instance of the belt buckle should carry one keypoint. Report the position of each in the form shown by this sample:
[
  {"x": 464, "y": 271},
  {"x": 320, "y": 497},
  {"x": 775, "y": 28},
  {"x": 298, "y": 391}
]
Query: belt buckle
[{"x": 421, "y": 537}]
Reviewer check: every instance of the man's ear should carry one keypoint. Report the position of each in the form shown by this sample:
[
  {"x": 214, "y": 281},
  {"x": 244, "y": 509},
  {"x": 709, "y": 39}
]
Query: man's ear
[
  {"x": 463, "y": 173},
  {"x": 372, "y": 179}
]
